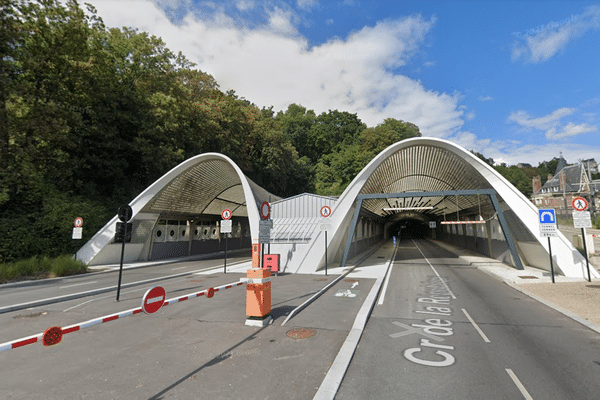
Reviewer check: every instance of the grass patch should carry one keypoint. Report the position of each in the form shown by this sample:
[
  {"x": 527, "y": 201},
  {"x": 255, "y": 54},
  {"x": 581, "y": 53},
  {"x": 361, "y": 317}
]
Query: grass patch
[{"x": 41, "y": 268}]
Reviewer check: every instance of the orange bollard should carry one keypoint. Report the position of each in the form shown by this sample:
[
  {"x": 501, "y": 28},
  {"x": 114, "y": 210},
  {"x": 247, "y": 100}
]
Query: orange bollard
[
  {"x": 258, "y": 297},
  {"x": 256, "y": 255}
]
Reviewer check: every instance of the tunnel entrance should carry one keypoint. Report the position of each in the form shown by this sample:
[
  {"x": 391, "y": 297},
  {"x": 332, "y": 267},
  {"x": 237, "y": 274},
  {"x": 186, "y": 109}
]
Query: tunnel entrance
[
  {"x": 410, "y": 229},
  {"x": 412, "y": 220}
]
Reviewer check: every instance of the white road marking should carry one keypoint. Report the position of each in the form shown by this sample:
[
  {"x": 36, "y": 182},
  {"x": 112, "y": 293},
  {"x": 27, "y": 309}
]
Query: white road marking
[
  {"x": 175, "y": 269},
  {"x": 485, "y": 339},
  {"x": 100, "y": 298},
  {"x": 77, "y": 284},
  {"x": 434, "y": 270},
  {"x": 354, "y": 285},
  {"x": 517, "y": 382},
  {"x": 385, "y": 285}
]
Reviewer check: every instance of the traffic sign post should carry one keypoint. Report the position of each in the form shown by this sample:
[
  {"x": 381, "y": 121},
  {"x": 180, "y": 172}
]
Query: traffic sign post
[
  {"x": 548, "y": 229},
  {"x": 582, "y": 219},
  {"x": 325, "y": 213},
  {"x": 226, "y": 227}
]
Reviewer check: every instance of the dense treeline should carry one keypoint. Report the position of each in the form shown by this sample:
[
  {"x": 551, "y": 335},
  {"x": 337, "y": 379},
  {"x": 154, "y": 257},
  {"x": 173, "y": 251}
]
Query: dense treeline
[{"x": 90, "y": 116}]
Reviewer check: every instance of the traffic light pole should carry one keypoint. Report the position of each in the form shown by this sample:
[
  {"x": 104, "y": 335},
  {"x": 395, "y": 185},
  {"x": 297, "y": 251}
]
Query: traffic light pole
[{"x": 122, "y": 256}]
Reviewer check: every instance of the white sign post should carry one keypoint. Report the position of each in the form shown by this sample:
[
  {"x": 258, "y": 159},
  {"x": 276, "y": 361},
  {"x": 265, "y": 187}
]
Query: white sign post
[
  {"x": 226, "y": 225},
  {"x": 325, "y": 213},
  {"x": 582, "y": 219},
  {"x": 548, "y": 229}
]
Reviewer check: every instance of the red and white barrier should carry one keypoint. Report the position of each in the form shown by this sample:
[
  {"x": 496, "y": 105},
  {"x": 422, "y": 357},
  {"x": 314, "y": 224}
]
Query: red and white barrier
[
  {"x": 461, "y": 222},
  {"x": 54, "y": 335}
]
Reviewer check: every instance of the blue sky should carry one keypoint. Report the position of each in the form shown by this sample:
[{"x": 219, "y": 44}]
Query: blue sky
[{"x": 517, "y": 81}]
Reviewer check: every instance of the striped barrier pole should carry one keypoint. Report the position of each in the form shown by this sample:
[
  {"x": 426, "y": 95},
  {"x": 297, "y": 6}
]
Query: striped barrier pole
[{"x": 52, "y": 336}]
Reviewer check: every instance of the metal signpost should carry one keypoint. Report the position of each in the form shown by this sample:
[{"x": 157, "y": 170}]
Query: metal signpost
[
  {"x": 548, "y": 229},
  {"x": 325, "y": 213},
  {"x": 123, "y": 228},
  {"x": 264, "y": 229},
  {"x": 582, "y": 219},
  {"x": 226, "y": 227}
]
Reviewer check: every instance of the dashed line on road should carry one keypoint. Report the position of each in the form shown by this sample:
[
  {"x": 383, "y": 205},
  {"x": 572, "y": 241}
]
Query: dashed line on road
[
  {"x": 485, "y": 338},
  {"x": 520, "y": 386}
]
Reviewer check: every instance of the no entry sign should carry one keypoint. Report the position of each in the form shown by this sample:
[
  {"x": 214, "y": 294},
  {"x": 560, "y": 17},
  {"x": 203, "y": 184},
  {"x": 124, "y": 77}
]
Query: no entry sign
[
  {"x": 265, "y": 210},
  {"x": 154, "y": 299}
]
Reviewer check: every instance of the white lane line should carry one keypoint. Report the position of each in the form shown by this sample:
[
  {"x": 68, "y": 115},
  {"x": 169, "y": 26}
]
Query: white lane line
[
  {"x": 485, "y": 339},
  {"x": 387, "y": 278},
  {"x": 434, "y": 270},
  {"x": 517, "y": 382},
  {"x": 77, "y": 284},
  {"x": 175, "y": 269},
  {"x": 100, "y": 298}
]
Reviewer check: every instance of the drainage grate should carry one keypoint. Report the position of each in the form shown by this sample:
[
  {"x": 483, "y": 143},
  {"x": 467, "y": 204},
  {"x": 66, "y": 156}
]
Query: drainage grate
[
  {"x": 527, "y": 277},
  {"x": 213, "y": 276},
  {"x": 380, "y": 257},
  {"x": 593, "y": 286},
  {"x": 37, "y": 314},
  {"x": 301, "y": 333},
  {"x": 320, "y": 279},
  {"x": 351, "y": 280}
]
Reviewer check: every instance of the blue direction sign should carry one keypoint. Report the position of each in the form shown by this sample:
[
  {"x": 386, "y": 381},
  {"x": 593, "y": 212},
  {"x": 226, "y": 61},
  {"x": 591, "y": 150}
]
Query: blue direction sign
[{"x": 547, "y": 216}]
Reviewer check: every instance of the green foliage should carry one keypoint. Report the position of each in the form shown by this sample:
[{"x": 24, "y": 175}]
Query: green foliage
[
  {"x": 90, "y": 116},
  {"x": 517, "y": 177},
  {"x": 41, "y": 267}
]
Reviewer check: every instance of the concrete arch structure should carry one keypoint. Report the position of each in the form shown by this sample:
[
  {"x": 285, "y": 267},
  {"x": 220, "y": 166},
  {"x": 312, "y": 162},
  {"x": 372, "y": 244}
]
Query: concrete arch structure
[
  {"x": 195, "y": 191},
  {"x": 435, "y": 169},
  {"x": 419, "y": 180}
]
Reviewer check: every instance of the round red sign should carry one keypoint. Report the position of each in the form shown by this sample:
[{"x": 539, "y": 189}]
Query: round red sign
[
  {"x": 78, "y": 222},
  {"x": 325, "y": 211},
  {"x": 265, "y": 210},
  {"x": 580, "y": 204},
  {"x": 226, "y": 214},
  {"x": 154, "y": 299}
]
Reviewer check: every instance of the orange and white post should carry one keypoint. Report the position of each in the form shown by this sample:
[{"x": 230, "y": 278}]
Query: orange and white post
[{"x": 258, "y": 297}]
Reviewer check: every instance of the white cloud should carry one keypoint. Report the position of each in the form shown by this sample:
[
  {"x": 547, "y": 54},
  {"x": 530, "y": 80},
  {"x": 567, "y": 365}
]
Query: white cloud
[
  {"x": 569, "y": 130},
  {"x": 485, "y": 98},
  {"x": 542, "y": 43},
  {"x": 245, "y": 5},
  {"x": 273, "y": 65},
  {"x": 551, "y": 124},
  {"x": 307, "y": 4},
  {"x": 542, "y": 123}
]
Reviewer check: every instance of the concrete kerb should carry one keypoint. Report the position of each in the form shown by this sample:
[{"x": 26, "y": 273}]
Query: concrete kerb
[
  {"x": 326, "y": 288},
  {"x": 331, "y": 384}
]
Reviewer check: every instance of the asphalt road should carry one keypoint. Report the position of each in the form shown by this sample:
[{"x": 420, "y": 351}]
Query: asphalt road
[
  {"x": 60, "y": 290},
  {"x": 442, "y": 329}
]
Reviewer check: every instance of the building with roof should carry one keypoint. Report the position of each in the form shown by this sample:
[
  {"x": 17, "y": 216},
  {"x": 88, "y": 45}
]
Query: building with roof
[{"x": 570, "y": 181}]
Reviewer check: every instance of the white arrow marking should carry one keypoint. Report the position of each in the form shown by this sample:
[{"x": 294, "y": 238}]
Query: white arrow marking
[{"x": 354, "y": 285}]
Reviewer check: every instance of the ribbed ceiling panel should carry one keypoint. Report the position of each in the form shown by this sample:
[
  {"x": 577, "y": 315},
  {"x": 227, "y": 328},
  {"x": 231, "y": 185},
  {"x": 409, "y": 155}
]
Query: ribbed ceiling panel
[
  {"x": 195, "y": 190},
  {"x": 425, "y": 169}
]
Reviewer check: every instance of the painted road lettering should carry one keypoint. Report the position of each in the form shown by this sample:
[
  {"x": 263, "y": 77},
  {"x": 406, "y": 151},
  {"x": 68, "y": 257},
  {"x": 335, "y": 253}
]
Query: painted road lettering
[{"x": 436, "y": 300}]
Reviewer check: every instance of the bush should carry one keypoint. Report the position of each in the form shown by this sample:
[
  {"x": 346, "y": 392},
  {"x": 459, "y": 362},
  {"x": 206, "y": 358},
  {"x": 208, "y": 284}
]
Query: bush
[{"x": 39, "y": 268}]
